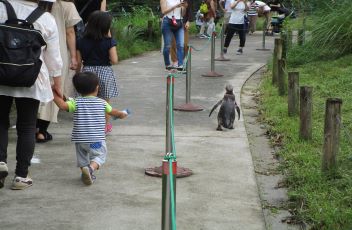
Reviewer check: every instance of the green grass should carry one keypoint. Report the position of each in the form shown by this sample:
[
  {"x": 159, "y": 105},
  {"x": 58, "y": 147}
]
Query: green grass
[
  {"x": 323, "y": 201},
  {"x": 131, "y": 32}
]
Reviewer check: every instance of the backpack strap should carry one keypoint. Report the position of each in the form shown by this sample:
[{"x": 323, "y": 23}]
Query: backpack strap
[
  {"x": 85, "y": 7},
  {"x": 34, "y": 15},
  {"x": 11, "y": 15}
]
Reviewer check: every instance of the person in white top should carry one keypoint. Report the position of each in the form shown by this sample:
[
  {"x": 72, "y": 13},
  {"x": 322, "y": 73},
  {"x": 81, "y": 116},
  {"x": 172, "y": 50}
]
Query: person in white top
[
  {"x": 66, "y": 16},
  {"x": 173, "y": 12},
  {"x": 27, "y": 99},
  {"x": 236, "y": 24}
]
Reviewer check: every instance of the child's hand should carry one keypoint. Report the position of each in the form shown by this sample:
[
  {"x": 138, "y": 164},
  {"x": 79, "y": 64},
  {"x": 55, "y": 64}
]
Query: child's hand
[{"x": 120, "y": 114}]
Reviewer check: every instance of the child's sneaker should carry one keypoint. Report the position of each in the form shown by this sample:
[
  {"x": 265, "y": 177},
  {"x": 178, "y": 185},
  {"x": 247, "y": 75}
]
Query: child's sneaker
[
  {"x": 108, "y": 128},
  {"x": 20, "y": 183},
  {"x": 4, "y": 171},
  {"x": 87, "y": 175}
]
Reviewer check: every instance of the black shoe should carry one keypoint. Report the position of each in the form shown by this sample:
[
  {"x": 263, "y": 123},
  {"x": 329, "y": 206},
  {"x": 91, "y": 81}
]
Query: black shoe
[
  {"x": 239, "y": 52},
  {"x": 224, "y": 50}
]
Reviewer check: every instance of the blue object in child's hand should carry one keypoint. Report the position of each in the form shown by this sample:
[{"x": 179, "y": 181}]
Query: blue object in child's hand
[{"x": 127, "y": 111}]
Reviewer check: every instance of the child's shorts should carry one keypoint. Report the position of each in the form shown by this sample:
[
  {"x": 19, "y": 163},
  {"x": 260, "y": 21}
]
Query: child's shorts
[{"x": 87, "y": 152}]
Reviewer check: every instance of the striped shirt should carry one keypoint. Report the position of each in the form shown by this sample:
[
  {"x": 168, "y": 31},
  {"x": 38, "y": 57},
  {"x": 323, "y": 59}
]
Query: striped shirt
[
  {"x": 252, "y": 11},
  {"x": 88, "y": 118}
]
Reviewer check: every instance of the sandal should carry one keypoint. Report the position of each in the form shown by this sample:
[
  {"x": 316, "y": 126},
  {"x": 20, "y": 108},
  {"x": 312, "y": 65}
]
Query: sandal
[{"x": 47, "y": 137}]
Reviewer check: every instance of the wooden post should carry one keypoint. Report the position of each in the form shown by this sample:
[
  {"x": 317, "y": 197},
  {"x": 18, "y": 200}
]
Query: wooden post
[
  {"x": 306, "y": 107},
  {"x": 331, "y": 134},
  {"x": 284, "y": 36},
  {"x": 150, "y": 30},
  {"x": 300, "y": 37},
  {"x": 281, "y": 76},
  {"x": 276, "y": 56},
  {"x": 289, "y": 39},
  {"x": 293, "y": 93}
]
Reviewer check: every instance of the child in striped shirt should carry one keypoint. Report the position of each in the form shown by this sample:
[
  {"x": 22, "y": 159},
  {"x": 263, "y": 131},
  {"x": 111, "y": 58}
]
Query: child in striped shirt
[{"x": 88, "y": 131}]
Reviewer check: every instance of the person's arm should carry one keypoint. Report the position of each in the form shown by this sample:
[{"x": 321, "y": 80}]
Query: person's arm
[
  {"x": 165, "y": 10},
  {"x": 117, "y": 113},
  {"x": 103, "y": 5},
  {"x": 222, "y": 5},
  {"x": 60, "y": 102},
  {"x": 57, "y": 85},
  {"x": 246, "y": 5},
  {"x": 79, "y": 61},
  {"x": 114, "y": 59},
  {"x": 71, "y": 45},
  {"x": 213, "y": 7}
]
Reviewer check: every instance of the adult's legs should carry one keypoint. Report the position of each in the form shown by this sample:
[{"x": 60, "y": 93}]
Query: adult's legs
[
  {"x": 27, "y": 109},
  {"x": 211, "y": 26},
  {"x": 173, "y": 47},
  {"x": 202, "y": 28},
  {"x": 42, "y": 135},
  {"x": 167, "y": 35},
  {"x": 6, "y": 103},
  {"x": 173, "y": 54},
  {"x": 230, "y": 32},
  {"x": 241, "y": 33},
  {"x": 252, "y": 23},
  {"x": 179, "y": 37}
]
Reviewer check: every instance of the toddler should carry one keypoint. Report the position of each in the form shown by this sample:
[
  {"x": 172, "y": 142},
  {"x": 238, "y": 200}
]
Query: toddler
[{"x": 88, "y": 123}]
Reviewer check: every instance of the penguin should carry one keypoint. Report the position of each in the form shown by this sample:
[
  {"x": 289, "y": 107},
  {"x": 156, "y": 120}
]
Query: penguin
[{"x": 227, "y": 111}]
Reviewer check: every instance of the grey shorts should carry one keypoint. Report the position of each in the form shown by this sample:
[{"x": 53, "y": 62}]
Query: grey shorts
[{"x": 87, "y": 152}]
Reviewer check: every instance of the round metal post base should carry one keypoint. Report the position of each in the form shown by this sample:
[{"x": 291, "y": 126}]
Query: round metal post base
[
  {"x": 212, "y": 74},
  {"x": 222, "y": 58},
  {"x": 188, "y": 107},
  {"x": 158, "y": 171}
]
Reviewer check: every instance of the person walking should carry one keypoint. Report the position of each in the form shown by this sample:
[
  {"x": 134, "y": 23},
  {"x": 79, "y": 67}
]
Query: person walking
[
  {"x": 88, "y": 123},
  {"x": 252, "y": 16},
  {"x": 264, "y": 10},
  {"x": 86, "y": 7},
  {"x": 96, "y": 51},
  {"x": 173, "y": 11},
  {"x": 27, "y": 99},
  {"x": 186, "y": 20},
  {"x": 66, "y": 16},
  {"x": 209, "y": 19},
  {"x": 236, "y": 24}
]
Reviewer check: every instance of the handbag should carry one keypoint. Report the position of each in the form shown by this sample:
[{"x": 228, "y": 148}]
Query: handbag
[{"x": 174, "y": 23}]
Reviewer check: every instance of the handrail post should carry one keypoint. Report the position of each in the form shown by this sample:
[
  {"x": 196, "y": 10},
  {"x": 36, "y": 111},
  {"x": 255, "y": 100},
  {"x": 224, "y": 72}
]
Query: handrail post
[{"x": 212, "y": 72}]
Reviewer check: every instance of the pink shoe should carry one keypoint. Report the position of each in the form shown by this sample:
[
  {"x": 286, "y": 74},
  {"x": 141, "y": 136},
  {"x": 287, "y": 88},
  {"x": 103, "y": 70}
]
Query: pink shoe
[{"x": 108, "y": 128}]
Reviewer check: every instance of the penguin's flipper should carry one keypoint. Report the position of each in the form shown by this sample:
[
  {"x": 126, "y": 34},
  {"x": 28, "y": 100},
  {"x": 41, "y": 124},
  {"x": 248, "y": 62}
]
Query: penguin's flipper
[
  {"x": 238, "y": 110},
  {"x": 215, "y": 106}
]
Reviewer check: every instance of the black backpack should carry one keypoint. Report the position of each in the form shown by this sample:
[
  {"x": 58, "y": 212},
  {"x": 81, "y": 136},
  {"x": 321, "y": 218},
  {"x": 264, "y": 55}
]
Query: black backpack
[{"x": 20, "y": 49}]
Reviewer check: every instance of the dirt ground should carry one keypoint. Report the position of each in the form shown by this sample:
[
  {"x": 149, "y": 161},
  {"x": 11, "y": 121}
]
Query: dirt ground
[{"x": 269, "y": 179}]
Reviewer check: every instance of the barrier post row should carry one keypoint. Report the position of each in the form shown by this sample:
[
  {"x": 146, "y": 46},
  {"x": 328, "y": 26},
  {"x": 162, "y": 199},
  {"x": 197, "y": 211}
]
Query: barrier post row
[
  {"x": 222, "y": 58},
  {"x": 189, "y": 107},
  {"x": 212, "y": 72}
]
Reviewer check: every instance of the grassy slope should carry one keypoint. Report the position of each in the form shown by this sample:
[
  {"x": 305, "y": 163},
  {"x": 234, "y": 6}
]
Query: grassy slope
[{"x": 324, "y": 202}]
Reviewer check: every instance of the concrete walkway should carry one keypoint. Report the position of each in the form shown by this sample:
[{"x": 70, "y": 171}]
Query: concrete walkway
[{"x": 222, "y": 194}]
